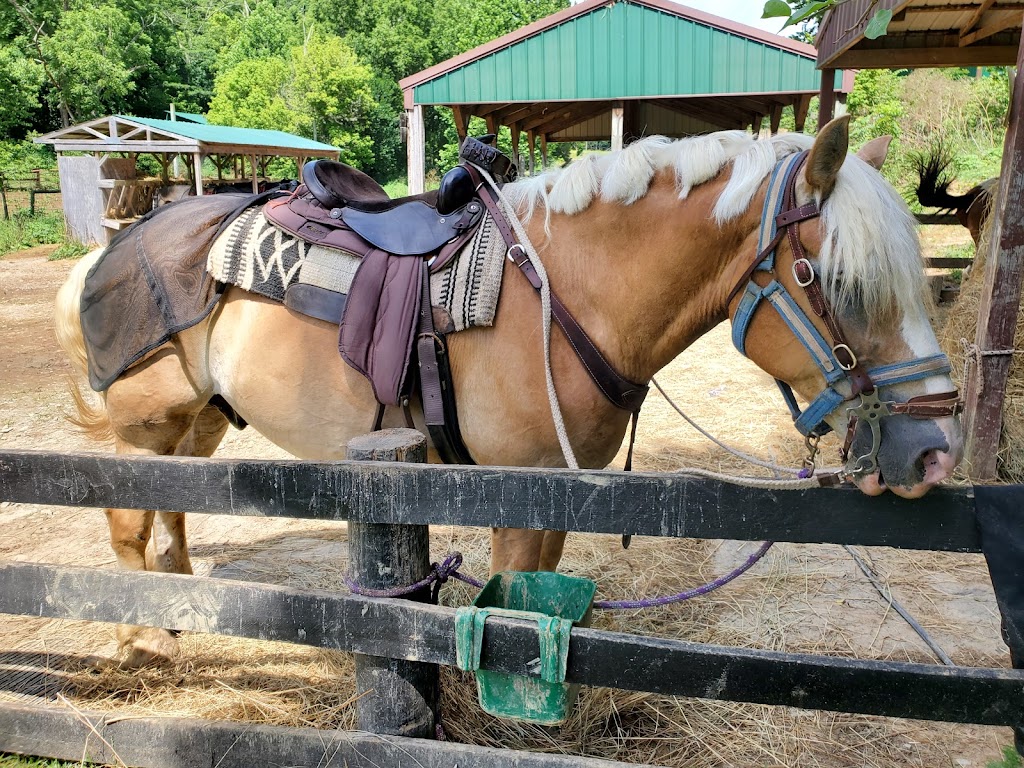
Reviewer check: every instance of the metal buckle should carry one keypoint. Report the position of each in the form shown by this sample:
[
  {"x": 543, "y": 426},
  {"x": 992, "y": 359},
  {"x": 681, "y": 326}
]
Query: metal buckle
[
  {"x": 853, "y": 357},
  {"x": 522, "y": 250},
  {"x": 796, "y": 276}
]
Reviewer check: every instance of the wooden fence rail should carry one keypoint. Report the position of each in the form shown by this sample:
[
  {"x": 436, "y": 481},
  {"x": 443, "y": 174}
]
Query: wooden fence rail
[
  {"x": 646, "y": 504},
  {"x": 426, "y": 633}
]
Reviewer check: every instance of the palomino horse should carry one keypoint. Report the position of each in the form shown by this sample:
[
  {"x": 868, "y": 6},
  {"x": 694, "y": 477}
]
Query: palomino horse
[
  {"x": 971, "y": 208},
  {"x": 644, "y": 246}
]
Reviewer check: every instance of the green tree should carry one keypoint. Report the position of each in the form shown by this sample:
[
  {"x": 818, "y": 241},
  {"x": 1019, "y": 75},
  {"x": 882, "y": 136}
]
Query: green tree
[
  {"x": 330, "y": 87},
  {"x": 20, "y": 81},
  {"x": 94, "y": 59},
  {"x": 459, "y": 25},
  {"x": 268, "y": 31},
  {"x": 252, "y": 94}
]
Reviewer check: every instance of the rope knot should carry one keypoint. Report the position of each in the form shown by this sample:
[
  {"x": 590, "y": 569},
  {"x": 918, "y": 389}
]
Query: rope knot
[{"x": 447, "y": 568}]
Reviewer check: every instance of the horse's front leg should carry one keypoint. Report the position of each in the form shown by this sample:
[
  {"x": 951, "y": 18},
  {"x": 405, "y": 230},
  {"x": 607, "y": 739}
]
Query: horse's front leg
[{"x": 515, "y": 549}]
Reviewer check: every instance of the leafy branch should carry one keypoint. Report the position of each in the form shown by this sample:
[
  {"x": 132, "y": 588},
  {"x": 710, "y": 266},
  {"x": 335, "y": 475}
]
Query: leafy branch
[{"x": 796, "y": 11}]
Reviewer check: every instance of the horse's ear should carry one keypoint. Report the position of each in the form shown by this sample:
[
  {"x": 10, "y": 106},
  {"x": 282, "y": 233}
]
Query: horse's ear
[
  {"x": 827, "y": 155},
  {"x": 875, "y": 151}
]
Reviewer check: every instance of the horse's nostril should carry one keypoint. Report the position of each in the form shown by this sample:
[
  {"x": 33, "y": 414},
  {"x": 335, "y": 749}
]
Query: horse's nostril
[{"x": 935, "y": 466}]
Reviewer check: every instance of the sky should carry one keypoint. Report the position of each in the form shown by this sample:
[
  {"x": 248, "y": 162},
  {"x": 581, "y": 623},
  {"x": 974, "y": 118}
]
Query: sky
[{"x": 746, "y": 11}]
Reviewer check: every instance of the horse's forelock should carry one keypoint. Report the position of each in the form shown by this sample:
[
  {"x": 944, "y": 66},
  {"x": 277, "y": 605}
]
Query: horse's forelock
[{"x": 870, "y": 249}]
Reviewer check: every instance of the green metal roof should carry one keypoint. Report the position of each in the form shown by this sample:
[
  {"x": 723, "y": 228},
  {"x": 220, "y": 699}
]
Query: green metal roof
[
  {"x": 623, "y": 50},
  {"x": 226, "y": 134}
]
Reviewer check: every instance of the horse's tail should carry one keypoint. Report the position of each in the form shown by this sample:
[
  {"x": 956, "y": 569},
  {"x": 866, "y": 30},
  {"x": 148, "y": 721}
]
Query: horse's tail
[
  {"x": 90, "y": 418},
  {"x": 934, "y": 180}
]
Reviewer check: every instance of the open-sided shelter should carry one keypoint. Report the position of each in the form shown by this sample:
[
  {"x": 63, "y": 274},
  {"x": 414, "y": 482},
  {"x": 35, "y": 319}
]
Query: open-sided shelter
[
  {"x": 618, "y": 69},
  {"x": 101, "y": 191}
]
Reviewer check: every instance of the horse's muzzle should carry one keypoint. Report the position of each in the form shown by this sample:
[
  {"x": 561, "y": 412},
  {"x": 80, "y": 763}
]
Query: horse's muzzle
[{"x": 914, "y": 456}]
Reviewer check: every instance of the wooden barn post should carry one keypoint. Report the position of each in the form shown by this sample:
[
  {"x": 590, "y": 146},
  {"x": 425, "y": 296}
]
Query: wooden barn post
[
  {"x": 1000, "y": 301},
  {"x": 827, "y": 97},
  {"x": 415, "y": 150},
  {"x": 396, "y": 697}
]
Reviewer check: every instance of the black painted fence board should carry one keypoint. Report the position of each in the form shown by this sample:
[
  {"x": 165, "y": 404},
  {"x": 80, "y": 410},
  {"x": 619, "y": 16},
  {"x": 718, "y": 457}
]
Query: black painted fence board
[
  {"x": 171, "y": 742},
  {"x": 404, "y": 630},
  {"x": 593, "y": 501}
]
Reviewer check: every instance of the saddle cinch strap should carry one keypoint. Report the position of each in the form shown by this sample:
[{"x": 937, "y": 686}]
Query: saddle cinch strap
[{"x": 836, "y": 361}]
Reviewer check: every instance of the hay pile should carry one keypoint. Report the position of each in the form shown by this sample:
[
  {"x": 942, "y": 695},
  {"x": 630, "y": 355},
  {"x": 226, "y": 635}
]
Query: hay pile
[{"x": 958, "y": 335}]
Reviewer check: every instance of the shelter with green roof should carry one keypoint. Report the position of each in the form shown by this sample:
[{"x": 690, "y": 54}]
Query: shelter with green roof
[
  {"x": 103, "y": 192},
  {"x": 619, "y": 69}
]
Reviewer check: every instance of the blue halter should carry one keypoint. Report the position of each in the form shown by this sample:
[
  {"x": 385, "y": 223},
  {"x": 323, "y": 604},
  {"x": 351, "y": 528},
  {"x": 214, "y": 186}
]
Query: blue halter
[{"x": 778, "y": 217}]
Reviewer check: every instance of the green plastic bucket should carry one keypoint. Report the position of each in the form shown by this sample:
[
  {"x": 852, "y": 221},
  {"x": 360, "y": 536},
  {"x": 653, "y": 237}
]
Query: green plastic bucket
[{"x": 556, "y": 602}]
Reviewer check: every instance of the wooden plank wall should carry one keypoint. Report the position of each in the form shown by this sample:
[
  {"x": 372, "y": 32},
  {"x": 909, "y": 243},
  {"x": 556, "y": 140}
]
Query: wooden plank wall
[{"x": 83, "y": 201}]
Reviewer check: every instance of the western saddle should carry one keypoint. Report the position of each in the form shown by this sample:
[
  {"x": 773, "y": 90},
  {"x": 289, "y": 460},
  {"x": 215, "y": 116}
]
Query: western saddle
[{"x": 386, "y": 320}]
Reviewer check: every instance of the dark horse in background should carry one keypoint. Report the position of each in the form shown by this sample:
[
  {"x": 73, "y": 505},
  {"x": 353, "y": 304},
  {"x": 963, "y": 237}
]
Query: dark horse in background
[{"x": 971, "y": 208}]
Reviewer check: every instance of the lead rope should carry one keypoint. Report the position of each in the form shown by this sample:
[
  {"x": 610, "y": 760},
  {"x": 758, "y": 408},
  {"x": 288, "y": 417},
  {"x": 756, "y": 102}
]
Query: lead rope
[{"x": 545, "y": 308}]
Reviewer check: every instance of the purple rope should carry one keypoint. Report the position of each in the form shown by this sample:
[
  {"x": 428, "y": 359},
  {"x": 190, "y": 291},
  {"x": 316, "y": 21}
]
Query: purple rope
[
  {"x": 439, "y": 574},
  {"x": 721, "y": 581},
  {"x": 449, "y": 569}
]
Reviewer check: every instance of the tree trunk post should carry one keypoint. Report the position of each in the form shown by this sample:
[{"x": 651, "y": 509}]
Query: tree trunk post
[
  {"x": 396, "y": 697},
  {"x": 1000, "y": 303},
  {"x": 618, "y": 127}
]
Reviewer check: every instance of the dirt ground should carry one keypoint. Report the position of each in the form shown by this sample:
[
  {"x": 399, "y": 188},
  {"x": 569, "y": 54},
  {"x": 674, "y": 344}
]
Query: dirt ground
[{"x": 800, "y": 598}]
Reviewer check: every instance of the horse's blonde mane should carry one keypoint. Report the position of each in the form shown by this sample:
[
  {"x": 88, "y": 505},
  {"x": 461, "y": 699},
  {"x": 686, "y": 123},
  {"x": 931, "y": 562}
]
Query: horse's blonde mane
[{"x": 870, "y": 250}]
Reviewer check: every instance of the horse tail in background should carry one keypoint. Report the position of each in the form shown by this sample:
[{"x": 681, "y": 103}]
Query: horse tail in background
[
  {"x": 91, "y": 419},
  {"x": 934, "y": 181}
]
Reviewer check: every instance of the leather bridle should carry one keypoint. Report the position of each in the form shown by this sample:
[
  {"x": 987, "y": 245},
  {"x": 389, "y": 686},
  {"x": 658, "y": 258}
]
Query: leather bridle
[{"x": 836, "y": 361}]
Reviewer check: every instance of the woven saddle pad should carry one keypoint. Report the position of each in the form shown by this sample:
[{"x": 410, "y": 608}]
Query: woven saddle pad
[{"x": 256, "y": 256}]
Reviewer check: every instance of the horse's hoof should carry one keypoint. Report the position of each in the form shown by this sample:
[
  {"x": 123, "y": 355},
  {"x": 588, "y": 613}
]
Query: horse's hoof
[{"x": 147, "y": 646}]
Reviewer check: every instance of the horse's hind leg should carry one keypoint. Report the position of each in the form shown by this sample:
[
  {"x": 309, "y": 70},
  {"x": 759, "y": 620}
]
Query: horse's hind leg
[
  {"x": 153, "y": 411},
  {"x": 202, "y": 440}
]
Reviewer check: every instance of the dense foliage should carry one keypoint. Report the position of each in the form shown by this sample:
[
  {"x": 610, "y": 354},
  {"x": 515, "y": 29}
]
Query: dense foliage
[{"x": 327, "y": 69}]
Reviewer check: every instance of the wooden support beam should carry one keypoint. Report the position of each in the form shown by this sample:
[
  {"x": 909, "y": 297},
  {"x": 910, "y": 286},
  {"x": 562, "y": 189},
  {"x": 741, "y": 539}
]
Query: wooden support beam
[
  {"x": 492, "y": 124},
  {"x": 827, "y": 97},
  {"x": 975, "y": 17},
  {"x": 544, "y": 151},
  {"x": 800, "y": 109},
  {"x": 775, "y": 118},
  {"x": 516, "y": 132},
  {"x": 1008, "y": 21},
  {"x": 461, "y": 116},
  {"x": 198, "y": 173},
  {"x": 415, "y": 150},
  {"x": 974, "y": 56},
  {"x": 631, "y": 128},
  {"x": 531, "y": 144},
  {"x": 562, "y": 120},
  {"x": 1000, "y": 301},
  {"x": 396, "y": 697},
  {"x": 755, "y": 125},
  {"x": 618, "y": 125}
]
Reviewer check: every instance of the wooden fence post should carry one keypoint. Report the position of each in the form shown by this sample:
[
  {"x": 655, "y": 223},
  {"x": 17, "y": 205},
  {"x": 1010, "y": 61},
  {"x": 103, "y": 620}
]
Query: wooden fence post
[{"x": 396, "y": 697}]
